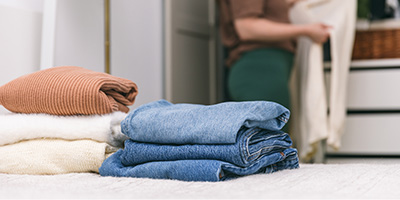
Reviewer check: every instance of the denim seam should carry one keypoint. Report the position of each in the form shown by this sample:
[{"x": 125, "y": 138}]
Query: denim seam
[
  {"x": 266, "y": 139},
  {"x": 244, "y": 149},
  {"x": 283, "y": 118},
  {"x": 272, "y": 136},
  {"x": 247, "y": 142},
  {"x": 250, "y": 166},
  {"x": 294, "y": 158},
  {"x": 269, "y": 147},
  {"x": 280, "y": 159}
]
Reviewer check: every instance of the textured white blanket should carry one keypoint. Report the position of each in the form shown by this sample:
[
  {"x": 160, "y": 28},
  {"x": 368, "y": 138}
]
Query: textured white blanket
[
  {"x": 311, "y": 181},
  {"x": 101, "y": 128}
]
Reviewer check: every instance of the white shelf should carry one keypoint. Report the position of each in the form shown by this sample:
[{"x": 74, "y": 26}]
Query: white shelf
[
  {"x": 392, "y": 62},
  {"x": 373, "y": 63},
  {"x": 366, "y": 25}
]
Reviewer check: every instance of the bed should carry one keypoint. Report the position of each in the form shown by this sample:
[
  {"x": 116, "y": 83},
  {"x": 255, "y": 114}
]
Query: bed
[{"x": 309, "y": 181}]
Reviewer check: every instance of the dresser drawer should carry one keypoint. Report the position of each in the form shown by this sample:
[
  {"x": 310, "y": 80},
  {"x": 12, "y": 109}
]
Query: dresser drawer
[
  {"x": 373, "y": 89},
  {"x": 372, "y": 134}
]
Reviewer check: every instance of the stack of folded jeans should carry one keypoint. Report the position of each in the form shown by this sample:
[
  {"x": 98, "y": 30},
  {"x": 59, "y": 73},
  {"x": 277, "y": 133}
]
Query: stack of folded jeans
[{"x": 193, "y": 142}]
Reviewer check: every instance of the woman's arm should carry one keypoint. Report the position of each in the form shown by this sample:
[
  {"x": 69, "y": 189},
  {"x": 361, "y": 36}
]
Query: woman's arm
[{"x": 258, "y": 29}]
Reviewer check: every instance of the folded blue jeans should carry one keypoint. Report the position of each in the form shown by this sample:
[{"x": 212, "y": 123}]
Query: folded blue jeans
[
  {"x": 251, "y": 146},
  {"x": 203, "y": 143},
  {"x": 198, "y": 170},
  {"x": 165, "y": 123}
]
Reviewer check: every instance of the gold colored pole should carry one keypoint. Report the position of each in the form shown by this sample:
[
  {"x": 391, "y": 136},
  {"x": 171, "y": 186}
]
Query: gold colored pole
[{"x": 107, "y": 35}]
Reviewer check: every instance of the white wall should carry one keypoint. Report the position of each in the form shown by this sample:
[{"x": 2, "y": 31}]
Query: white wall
[
  {"x": 30, "y": 5},
  {"x": 20, "y": 37},
  {"x": 137, "y": 45},
  {"x": 79, "y": 34}
]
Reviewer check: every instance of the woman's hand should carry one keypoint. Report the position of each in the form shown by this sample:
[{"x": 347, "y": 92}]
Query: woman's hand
[{"x": 318, "y": 32}]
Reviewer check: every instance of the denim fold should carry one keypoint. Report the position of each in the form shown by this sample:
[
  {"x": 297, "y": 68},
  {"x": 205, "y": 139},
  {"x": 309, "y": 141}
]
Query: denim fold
[
  {"x": 166, "y": 123},
  {"x": 198, "y": 170},
  {"x": 252, "y": 144}
]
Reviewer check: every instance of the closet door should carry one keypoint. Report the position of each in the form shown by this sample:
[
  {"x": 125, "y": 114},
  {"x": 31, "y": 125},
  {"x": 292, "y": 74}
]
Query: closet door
[{"x": 190, "y": 74}]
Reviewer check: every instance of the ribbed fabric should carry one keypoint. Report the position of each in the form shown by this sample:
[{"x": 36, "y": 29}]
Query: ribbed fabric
[
  {"x": 48, "y": 156},
  {"x": 68, "y": 90}
]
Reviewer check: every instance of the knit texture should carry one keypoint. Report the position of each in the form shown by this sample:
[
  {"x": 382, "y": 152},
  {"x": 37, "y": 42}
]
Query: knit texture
[
  {"x": 48, "y": 156},
  {"x": 68, "y": 90},
  {"x": 102, "y": 128}
]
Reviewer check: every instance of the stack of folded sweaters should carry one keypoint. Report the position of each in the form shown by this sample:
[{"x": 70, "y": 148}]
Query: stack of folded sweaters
[
  {"x": 203, "y": 143},
  {"x": 64, "y": 120}
]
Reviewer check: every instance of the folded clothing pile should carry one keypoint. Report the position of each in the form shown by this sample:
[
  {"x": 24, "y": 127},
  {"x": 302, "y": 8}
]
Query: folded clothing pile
[
  {"x": 64, "y": 120},
  {"x": 203, "y": 143}
]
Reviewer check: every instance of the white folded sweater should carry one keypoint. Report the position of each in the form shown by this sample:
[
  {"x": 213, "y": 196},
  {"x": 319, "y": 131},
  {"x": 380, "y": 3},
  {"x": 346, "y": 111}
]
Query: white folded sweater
[
  {"x": 53, "y": 156},
  {"x": 102, "y": 128}
]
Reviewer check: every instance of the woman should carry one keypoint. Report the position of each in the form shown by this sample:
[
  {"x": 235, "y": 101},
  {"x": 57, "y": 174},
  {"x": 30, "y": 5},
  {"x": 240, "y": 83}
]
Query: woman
[{"x": 261, "y": 45}]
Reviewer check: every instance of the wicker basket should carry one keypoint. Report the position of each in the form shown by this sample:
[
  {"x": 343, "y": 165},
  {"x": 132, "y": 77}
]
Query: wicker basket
[{"x": 376, "y": 44}]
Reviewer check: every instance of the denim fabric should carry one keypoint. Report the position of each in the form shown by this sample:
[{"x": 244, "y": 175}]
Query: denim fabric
[
  {"x": 165, "y": 123},
  {"x": 252, "y": 145},
  {"x": 203, "y": 143},
  {"x": 198, "y": 170}
]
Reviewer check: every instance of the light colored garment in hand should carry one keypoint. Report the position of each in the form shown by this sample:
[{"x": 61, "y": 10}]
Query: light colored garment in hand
[
  {"x": 311, "y": 120},
  {"x": 102, "y": 128},
  {"x": 48, "y": 156}
]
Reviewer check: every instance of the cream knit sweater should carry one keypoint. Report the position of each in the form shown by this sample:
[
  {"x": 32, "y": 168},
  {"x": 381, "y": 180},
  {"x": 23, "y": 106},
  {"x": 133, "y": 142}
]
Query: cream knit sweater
[
  {"x": 53, "y": 156},
  {"x": 101, "y": 128}
]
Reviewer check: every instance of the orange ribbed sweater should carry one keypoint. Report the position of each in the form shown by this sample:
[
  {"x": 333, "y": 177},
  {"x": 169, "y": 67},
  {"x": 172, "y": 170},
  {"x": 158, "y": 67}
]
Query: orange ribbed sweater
[{"x": 68, "y": 90}]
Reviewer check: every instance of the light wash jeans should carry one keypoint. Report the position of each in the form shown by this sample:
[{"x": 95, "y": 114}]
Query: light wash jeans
[{"x": 165, "y": 123}]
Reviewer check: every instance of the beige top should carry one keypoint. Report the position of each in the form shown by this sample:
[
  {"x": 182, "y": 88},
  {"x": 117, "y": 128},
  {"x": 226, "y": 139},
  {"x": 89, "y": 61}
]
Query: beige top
[{"x": 274, "y": 10}]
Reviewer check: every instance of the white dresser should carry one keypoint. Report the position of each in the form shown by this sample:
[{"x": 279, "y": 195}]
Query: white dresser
[{"x": 373, "y": 109}]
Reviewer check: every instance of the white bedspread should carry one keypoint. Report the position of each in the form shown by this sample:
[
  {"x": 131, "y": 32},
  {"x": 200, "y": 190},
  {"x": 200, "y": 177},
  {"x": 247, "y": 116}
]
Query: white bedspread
[{"x": 310, "y": 181}]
